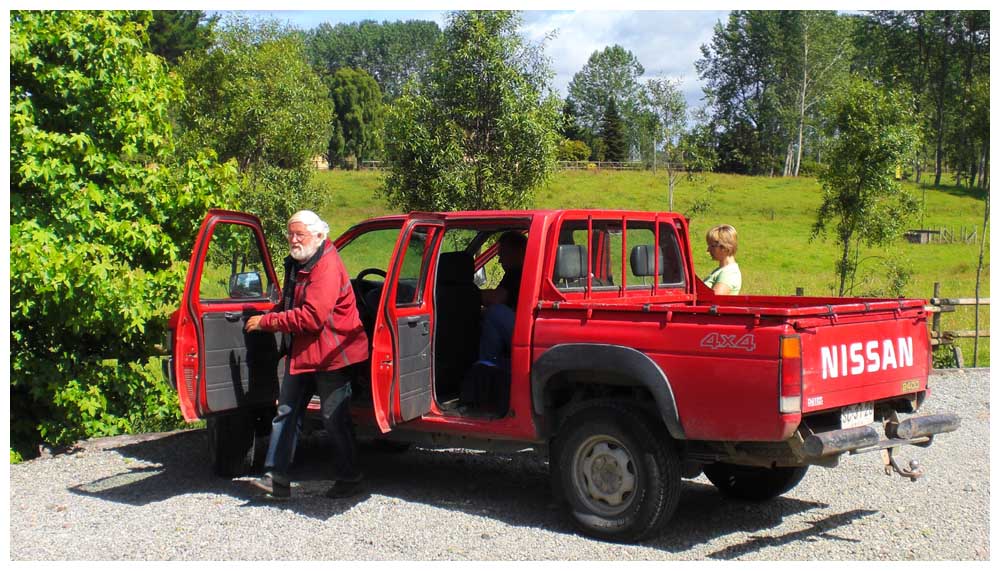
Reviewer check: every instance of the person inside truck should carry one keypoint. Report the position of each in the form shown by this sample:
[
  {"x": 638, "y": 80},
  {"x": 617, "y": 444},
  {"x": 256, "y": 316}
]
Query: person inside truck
[
  {"x": 323, "y": 341},
  {"x": 725, "y": 279},
  {"x": 500, "y": 303}
]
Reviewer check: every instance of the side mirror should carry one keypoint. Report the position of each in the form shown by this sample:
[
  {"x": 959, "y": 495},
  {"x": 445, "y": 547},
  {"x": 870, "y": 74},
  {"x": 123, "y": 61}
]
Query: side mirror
[
  {"x": 247, "y": 284},
  {"x": 480, "y": 277}
]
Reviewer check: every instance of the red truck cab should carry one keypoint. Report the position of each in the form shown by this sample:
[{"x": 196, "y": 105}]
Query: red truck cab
[{"x": 624, "y": 368}]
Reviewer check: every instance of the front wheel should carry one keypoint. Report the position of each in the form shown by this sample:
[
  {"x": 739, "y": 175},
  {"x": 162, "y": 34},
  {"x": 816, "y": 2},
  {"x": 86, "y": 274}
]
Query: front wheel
[
  {"x": 621, "y": 482},
  {"x": 753, "y": 482}
]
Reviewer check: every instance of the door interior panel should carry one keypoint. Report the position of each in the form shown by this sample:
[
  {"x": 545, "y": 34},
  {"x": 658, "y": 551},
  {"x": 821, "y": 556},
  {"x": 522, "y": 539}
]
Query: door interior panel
[
  {"x": 241, "y": 369},
  {"x": 414, "y": 366}
]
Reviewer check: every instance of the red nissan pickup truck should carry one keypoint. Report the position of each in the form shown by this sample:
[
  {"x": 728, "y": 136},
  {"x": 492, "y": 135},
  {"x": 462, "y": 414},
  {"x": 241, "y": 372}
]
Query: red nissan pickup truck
[{"x": 625, "y": 369}]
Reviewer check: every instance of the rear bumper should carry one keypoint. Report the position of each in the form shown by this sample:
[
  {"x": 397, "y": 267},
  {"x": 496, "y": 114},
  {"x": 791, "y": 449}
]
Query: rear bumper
[{"x": 917, "y": 430}]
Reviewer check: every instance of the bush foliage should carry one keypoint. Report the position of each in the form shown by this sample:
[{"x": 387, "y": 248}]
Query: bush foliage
[
  {"x": 479, "y": 132},
  {"x": 103, "y": 213},
  {"x": 254, "y": 98}
]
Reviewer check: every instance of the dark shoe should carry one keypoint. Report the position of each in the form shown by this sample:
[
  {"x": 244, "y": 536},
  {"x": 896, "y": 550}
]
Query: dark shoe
[
  {"x": 346, "y": 489},
  {"x": 274, "y": 490}
]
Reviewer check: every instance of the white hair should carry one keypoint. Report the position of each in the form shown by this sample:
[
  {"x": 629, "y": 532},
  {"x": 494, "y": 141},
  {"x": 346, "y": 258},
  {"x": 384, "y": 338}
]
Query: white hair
[{"x": 312, "y": 221}]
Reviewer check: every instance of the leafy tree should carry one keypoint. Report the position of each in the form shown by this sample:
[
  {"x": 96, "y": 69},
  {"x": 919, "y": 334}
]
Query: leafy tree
[
  {"x": 102, "y": 216},
  {"x": 254, "y": 98},
  {"x": 613, "y": 72},
  {"x": 613, "y": 133},
  {"x": 391, "y": 52},
  {"x": 480, "y": 131},
  {"x": 357, "y": 116},
  {"x": 572, "y": 151},
  {"x": 684, "y": 151},
  {"x": 172, "y": 33},
  {"x": 874, "y": 132},
  {"x": 742, "y": 84},
  {"x": 570, "y": 127},
  {"x": 942, "y": 56},
  {"x": 815, "y": 61}
]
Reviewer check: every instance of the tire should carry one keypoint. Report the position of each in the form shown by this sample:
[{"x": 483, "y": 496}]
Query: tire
[
  {"x": 752, "y": 482},
  {"x": 620, "y": 482},
  {"x": 235, "y": 447}
]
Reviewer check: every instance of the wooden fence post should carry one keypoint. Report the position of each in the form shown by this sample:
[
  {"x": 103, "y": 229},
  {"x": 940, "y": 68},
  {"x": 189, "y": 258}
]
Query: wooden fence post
[{"x": 936, "y": 320}]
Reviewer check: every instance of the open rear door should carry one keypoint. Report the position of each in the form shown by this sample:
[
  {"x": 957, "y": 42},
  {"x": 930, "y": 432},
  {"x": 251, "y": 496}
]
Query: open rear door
[
  {"x": 218, "y": 366},
  {"x": 401, "y": 346}
]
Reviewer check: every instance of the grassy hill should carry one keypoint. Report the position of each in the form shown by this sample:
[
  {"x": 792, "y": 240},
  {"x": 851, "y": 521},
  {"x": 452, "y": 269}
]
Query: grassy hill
[{"x": 774, "y": 218}]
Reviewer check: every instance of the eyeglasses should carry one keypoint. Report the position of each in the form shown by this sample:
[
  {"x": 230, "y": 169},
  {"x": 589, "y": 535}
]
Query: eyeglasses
[{"x": 298, "y": 236}]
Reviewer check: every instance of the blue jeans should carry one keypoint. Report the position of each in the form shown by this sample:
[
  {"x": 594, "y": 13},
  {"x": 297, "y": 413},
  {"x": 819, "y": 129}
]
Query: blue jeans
[
  {"x": 495, "y": 337},
  {"x": 334, "y": 389}
]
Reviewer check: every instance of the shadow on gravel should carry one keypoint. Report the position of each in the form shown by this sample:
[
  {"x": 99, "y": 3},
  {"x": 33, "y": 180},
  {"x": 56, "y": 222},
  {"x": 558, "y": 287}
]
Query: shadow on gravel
[
  {"x": 704, "y": 515},
  {"x": 821, "y": 528},
  {"x": 180, "y": 467},
  {"x": 512, "y": 488}
]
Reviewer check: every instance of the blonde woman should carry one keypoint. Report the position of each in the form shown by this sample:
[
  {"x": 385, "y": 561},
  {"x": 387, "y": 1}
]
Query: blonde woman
[{"x": 725, "y": 279}]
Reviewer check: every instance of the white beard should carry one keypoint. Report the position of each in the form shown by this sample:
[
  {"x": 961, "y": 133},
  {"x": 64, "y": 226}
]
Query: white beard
[{"x": 301, "y": 253}]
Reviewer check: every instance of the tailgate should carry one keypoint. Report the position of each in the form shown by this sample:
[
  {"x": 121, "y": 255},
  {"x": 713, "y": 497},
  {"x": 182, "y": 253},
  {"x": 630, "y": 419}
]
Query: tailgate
[{"x": 851, "y": 363}]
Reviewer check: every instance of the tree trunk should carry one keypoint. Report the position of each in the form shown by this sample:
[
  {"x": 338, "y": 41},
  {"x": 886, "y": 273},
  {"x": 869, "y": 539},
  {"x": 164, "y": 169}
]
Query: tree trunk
[
  {"x": 984, "y": 166},
  {"x": 979, "y": 273},
  {"x": 845, "y": 255},
  {"x": 789, "y": 165},
  {"x": 939, "y": 102},
  {"x": 671, "y": 180},
  {"x": 802, "y": 99}
]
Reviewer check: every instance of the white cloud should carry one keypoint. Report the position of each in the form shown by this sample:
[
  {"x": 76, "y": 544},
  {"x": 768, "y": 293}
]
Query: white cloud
[{"x": 666, "y": 43}]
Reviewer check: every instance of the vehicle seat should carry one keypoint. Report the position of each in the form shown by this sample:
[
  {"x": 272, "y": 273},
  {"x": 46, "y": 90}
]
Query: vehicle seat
[
  {"x": 457, "y": 304},
  {"x": 641, "y": 260},
  {"x": 571, "y": 266}
]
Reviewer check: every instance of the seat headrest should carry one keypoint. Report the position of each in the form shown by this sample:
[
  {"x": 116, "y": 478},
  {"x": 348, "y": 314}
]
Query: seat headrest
[
  {"x": 571, "y": 262},
  {"x": 456, "y": 267},
  {"x": 641, "y": 260}
]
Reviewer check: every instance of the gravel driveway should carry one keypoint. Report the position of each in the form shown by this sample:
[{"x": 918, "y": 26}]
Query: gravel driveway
[{"x": 151, "y": 497}]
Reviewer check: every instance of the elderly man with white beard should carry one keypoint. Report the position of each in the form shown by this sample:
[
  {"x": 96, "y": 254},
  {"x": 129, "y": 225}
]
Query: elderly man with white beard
[{"x": 323, "y": 341}]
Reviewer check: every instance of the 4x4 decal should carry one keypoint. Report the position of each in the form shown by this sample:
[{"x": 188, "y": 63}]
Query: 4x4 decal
[{"x": 718, "y": 341}]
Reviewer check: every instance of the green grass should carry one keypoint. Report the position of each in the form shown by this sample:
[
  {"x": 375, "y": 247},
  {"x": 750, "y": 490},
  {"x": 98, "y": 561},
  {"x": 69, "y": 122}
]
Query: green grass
[{"x": 774, "y": 218}]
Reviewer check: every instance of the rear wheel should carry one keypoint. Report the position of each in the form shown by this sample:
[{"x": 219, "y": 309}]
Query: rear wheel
[
  {"x": 753, "y": 482},
  {"x": 237, "y": 442},
  {"x": 620, "y": 481}
]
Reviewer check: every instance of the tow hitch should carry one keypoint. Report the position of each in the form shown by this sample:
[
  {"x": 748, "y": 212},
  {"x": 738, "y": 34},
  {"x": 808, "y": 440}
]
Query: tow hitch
[
  {"x": 891, "y": 466},
  {"x": 915, "y": 431}
]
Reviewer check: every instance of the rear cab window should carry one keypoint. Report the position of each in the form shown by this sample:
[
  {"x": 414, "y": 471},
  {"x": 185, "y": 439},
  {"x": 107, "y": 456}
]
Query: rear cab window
[{"x": 617, "y": 257}]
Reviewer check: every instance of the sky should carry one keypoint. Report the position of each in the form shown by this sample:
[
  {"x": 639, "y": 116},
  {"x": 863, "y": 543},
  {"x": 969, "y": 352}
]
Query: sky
[{"x": 666, "y": 43}]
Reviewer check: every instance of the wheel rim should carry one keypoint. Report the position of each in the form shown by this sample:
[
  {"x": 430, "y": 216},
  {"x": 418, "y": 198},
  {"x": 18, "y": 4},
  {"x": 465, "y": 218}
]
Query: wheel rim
[{"x": 604, "y": 475}]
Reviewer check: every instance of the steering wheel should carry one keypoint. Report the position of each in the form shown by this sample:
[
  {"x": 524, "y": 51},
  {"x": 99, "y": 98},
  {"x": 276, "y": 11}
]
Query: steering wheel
[{"x": 362, "y": 302}]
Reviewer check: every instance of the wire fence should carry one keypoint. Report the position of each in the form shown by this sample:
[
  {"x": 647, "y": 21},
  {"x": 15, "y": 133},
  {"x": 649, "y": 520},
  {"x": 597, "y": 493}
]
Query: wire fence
[{"x": 573, "y": 165}]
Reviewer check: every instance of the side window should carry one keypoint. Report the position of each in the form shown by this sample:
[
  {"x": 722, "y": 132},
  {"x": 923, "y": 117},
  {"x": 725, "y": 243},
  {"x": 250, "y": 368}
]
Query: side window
[
  {"x": 373, "y": 249},
  {"x": 672, "y": 271},
  {"x": 460, "y": 240},
  {"x": 413, "y": 271},
  {"x": 641, "y": 240},
  {"x": 234, "y": 266},
  {"x": 602, "y": 251},
  {"x": 642, "y": 249}
]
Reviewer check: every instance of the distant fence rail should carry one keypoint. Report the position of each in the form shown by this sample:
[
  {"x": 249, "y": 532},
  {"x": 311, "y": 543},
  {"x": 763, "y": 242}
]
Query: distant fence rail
[
  {"x": 943, "y": 235},
  {"x": 568, "y": 165},
  {"x": 939, "y": 337}
]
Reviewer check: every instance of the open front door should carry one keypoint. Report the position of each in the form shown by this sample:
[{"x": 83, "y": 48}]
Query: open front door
[
  {"x": 402, "y": 343},
  {"x": 218, "y": 366}
]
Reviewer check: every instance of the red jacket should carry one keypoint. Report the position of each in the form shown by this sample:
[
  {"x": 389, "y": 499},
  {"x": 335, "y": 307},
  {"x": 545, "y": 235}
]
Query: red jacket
[{"x": 327, "y": 333}]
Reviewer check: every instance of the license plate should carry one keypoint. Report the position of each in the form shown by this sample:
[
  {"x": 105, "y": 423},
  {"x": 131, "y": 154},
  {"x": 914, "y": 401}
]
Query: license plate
[{"x": 857, "y": 415}]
